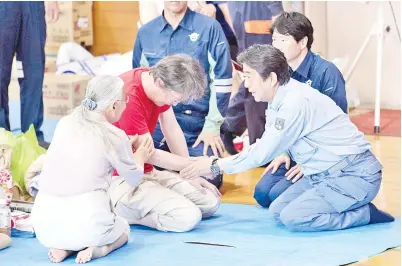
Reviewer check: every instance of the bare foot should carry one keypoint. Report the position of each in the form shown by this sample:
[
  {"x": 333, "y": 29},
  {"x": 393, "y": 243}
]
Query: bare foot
[
  {"x": 89, "y": 254},
  {"x": 92, "y": 253},
  {"x": 58, "y": 255}
]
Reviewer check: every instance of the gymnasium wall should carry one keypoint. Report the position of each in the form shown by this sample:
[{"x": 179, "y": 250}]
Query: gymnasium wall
[
  {"x": 340, "y": 29},
  {"x": 115, "y": 26}
]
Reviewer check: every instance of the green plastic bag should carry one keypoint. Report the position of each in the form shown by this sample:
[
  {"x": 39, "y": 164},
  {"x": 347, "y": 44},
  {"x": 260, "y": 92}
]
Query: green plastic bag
[{"x": 25, "y": 150}]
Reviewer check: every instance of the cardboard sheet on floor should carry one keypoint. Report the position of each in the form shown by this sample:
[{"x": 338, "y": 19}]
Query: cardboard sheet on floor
[{"x": 237, "y": 235}]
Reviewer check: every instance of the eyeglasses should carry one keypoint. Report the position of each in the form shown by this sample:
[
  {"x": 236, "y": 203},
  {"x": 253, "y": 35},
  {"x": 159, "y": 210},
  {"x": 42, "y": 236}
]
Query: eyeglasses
[{"x": 175, "y": 99}]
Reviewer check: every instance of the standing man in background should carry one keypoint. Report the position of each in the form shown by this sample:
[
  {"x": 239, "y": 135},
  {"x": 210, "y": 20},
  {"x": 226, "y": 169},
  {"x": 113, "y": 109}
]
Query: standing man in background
[
  {"x": 220, "y": 11},
  {"x": 23, "y": 32},
  {"x": 252, "y": 21},
  {"x": 181, "y": 30},
  {"x": 214, "y": 9}
]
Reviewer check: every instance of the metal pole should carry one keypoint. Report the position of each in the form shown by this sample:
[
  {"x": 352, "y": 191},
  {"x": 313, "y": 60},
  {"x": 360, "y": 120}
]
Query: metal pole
[{"x": 380, "y": 45}]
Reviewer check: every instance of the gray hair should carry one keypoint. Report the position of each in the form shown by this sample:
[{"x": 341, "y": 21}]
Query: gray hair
[
  {"x": 101, "y": 93},
  {"x": 182, "y": 74},
  {"x": 265, "y": 59}
]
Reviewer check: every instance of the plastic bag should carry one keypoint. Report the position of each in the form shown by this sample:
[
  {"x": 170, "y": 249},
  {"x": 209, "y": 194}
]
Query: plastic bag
[{"x": 25, "y": 150}]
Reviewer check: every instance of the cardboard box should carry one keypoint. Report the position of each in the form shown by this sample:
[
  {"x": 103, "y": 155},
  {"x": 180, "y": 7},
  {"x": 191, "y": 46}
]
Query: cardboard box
[
  {"x": 52, "y": 48},
  {"x": 51, "y": 51},
  {"x": 74, "y": 24},
  {"x": 62, "y": 93},
  {"x": 50, "y": 65},
  {"x": 17, "y": 72}
]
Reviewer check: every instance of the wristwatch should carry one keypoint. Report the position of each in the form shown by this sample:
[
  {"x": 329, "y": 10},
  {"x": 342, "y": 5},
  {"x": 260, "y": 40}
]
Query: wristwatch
[{"x": 216, "y": 171}]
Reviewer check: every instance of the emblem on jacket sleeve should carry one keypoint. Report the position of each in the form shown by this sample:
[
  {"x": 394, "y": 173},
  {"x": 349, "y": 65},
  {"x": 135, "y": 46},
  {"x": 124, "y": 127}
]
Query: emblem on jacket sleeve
[{"x": 279, "y": 123}]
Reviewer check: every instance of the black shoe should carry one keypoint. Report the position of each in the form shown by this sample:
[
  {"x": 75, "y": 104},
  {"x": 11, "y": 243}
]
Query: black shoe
[
  {"x": 378, "y": 216},
  {"x": 44, "y": 144},
  {"x": 228, "y": 142}
]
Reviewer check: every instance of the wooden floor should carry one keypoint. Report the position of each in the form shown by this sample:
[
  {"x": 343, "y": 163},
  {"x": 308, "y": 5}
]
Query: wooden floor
[{"x": 239, "y": 189}]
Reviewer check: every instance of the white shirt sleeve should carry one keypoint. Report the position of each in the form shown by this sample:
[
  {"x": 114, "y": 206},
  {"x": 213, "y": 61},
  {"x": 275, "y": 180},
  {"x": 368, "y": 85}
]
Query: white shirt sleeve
[{"x": 123, "y": 161}]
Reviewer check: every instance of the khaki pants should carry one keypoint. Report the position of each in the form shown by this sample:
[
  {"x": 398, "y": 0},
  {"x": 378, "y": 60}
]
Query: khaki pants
[{"x": 163, "y": 200}]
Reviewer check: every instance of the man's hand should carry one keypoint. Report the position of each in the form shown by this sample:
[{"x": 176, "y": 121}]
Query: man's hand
[
  {"x": 208, "y": 10},
  {"x": 296, "y": 172},
  {"x": 203, "y": 185},
  {"x": 278, "y": 161},
  {"x": 52, "y": 12},
  {"x": 200, "y": 167},
  {"x": 212, "y": 139}
]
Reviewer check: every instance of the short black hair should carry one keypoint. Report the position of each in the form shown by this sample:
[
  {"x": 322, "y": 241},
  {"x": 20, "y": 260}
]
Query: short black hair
[
  {"x": 296, "y": 25},
  {"x": 264, "y": 58}
]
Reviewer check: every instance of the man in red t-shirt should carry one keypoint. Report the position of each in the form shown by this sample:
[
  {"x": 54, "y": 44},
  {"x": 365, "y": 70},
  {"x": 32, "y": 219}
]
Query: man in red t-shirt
[{"x": 163, "y": 200}]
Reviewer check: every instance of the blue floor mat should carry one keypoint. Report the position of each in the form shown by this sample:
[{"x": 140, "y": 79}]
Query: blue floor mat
[{"x": 254, "y": 238}]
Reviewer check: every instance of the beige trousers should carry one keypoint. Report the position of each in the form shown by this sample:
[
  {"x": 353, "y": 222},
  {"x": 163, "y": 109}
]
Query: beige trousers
[{"x": 163, "y": 200}]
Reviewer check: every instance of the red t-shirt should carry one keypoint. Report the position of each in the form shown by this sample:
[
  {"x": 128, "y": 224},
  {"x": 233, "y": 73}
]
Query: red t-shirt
[{"x": 141, "y": 114}]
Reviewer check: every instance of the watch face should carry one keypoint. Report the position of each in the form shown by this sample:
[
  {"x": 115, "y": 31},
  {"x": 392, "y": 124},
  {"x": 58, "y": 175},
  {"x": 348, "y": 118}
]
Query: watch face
[{"x": 215, "y": 169}]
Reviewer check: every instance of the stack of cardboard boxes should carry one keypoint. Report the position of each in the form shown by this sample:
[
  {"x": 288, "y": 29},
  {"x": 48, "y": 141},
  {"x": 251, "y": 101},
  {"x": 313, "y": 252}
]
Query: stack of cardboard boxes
[
  {"x": 61, "y": 93},
  {"x": 74, "y": 25}
]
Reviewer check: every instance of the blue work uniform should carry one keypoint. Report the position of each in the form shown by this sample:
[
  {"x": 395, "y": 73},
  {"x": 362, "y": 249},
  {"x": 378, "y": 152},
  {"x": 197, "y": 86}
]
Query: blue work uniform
[
  {"x": 251, "y": 22},
  {"x": 23, "y": 32},
  {"x": 341, "y": 175},
  {"x": 230, "y": 36},
  {"x": 202, "y": 38},
  {"x": 247, "y": 17},
  {"x": 325, "y": 77}
]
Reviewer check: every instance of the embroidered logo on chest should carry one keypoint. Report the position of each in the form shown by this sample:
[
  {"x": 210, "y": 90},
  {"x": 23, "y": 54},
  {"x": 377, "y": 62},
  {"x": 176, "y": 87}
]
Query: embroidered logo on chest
[{"x": 194, "y": 36}]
